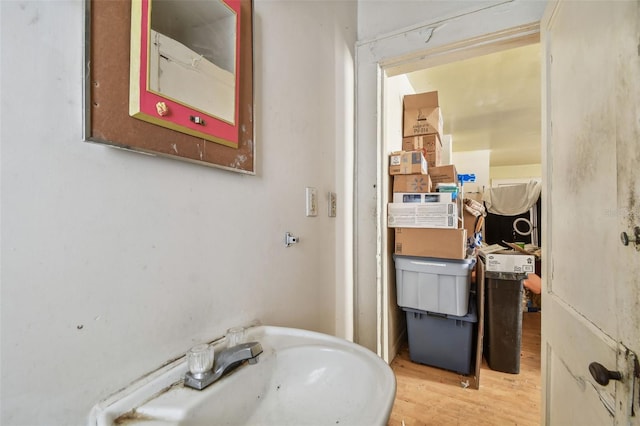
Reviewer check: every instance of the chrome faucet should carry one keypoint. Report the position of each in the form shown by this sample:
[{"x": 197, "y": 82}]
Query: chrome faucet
[{"x": 224, "y": 362}]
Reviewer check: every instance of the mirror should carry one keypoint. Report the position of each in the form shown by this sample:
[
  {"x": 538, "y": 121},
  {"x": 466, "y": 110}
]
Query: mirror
[
  {"x": 192, "y": 47},
  {"x": 185, "y": 66},
  {"x": 121, "y": 110}
]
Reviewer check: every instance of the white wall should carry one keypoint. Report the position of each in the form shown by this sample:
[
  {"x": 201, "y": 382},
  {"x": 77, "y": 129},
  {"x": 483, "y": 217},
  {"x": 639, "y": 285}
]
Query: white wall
[
  {"x": 377, "y": 17},
  {"x": 516, "y": 172},
  {"x": 476, "y": 162},
  {"x": 447, "y": 149},
  {"x": 114, "y": 262},
  {"x": 395, "y": 88}
]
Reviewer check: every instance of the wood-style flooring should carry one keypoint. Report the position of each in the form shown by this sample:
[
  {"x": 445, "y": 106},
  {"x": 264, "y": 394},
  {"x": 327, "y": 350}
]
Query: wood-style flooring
[{"x": 431, "y": 396}]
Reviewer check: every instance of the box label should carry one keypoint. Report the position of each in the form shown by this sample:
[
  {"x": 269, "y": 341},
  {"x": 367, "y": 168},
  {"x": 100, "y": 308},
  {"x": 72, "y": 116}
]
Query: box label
[
  {"x": 422, "y": 215},
  {"x": 510, "y": 263},
  {"x": 422, "y": 197}
]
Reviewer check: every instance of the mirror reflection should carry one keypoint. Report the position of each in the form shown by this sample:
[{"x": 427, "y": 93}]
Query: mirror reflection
[{"x": 192, "y": 55}]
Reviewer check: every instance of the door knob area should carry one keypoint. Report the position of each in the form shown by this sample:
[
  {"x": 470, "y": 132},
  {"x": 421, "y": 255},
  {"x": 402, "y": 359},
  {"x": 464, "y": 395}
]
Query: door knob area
[
  {"x": 635, "y": 239},
  {"x": 602, "y": 375}
]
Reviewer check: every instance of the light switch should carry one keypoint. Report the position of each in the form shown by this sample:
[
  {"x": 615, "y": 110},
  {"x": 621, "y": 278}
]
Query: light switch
[{"x": 311, "y": 197}]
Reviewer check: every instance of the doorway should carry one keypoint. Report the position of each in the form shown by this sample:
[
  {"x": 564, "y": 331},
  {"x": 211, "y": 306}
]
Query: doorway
[
  {"x": 380, "y": 304},
  {"x": 491, "y": 112},
  {"x": 482, "y": 111},
  {"x": 416, "y": 48}
]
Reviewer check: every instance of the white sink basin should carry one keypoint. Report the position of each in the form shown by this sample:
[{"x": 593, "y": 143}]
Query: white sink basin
[{"x": 302, "y": 378}]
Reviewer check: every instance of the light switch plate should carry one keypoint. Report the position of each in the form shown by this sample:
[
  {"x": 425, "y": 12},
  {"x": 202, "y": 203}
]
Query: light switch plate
[
  {"x": 311, "y": 199},
  {"x": 332, "y": 204}
]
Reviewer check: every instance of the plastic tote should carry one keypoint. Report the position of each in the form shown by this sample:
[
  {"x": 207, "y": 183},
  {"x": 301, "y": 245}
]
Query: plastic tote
[
  {"x": 433, "y": 284},
  {"x": 443, "y": 341}
]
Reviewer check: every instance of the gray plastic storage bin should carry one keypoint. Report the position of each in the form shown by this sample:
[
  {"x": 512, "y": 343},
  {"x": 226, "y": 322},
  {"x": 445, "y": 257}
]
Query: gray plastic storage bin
[
  {"x": 434, "y": 285},
  {"x": 443, "y": 341}
]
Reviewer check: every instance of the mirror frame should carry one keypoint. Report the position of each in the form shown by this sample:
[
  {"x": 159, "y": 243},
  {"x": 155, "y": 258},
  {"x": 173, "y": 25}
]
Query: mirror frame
[{"x": 106, "y": 94}]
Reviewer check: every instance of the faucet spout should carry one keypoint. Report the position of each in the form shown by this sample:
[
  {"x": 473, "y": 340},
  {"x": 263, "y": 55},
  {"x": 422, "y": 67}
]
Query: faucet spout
[
  {"x": 232, "y": 356},
  {"x": 225, "y": 362}
]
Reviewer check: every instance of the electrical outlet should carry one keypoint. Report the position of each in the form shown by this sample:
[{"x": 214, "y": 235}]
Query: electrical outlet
[
  {"x": 332, "y": 204},
  {"x": 311, "y": 197}
]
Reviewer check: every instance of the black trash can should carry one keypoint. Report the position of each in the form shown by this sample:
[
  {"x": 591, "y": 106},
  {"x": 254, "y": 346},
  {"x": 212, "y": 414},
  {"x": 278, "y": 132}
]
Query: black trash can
[{"x": 503, "y": 320}]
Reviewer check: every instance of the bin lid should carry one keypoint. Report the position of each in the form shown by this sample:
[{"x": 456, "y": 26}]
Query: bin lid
[
  {"x": 472, "y": 315},
  {"x": 468, "y": 261}
]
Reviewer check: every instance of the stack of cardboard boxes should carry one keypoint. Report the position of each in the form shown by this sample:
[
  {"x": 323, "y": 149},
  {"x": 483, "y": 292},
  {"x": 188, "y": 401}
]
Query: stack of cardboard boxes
[
  {"x": 427, "y": 214},
  {"x": 427, "y": 223}
]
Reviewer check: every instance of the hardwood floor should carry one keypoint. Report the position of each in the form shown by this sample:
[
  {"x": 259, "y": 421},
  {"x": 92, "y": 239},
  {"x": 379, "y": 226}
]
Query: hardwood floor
[{"x": 431, "y": 396}]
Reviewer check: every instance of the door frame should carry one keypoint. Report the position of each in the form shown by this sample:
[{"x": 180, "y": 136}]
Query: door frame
[{"x": 438, "y": 42}]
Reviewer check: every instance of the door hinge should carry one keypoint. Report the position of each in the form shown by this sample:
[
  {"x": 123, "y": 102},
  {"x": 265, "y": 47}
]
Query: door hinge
[
  {"x": 635, "y": 387},
  {"x": 628, "y": 394}
]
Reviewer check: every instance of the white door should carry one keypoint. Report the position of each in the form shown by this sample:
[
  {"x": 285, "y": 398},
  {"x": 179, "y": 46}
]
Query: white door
[{"x": 591, "y": 298}]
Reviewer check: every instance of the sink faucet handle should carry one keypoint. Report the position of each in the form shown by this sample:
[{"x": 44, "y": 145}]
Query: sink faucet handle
[
  {"x": 200, "y": 359},
  {"x": 235, "y": 336}
]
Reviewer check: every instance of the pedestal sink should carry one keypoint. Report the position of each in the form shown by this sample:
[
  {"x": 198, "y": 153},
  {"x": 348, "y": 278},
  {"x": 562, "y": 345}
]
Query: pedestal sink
[{"x": 301, "y": 378}]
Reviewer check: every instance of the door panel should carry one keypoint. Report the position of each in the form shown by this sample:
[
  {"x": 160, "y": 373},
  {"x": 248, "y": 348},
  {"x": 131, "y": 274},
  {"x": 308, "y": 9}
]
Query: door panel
[
  {"x": 590, "y": 96},
  {"x": 628, "y": 185},
  {"x": 572, "y": 395}
]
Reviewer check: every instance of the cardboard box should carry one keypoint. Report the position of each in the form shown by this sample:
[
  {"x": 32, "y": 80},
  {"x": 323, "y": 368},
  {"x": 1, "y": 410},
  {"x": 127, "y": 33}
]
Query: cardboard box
[
  {"x": 431, "y": 242},
  {"x": 443, "y": 174},
  {"x": 413, "y": 143},
  {"x": 423, "y": 222},
  {"x": 421, "y": 197},
  {"x": 510, "y": 262},
  {"x": 469, "y": 221},
  {"x": 407, "y": 163},
  {"x": 423, "y": 209},
  {"x": 411, "y": 183},
  {"x": 430, "y": 145},
  {"x": 432, "y": 158},
  {"x": 422, "y": 215},
  {"x": 421, "y": 114}
]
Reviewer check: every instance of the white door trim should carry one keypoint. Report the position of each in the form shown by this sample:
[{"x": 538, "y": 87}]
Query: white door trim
[{"x": 545, "y": 132}]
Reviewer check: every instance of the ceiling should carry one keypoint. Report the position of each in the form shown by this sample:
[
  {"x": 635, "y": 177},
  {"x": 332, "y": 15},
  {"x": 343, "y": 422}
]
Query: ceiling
[{"x": 490, "y": 102}]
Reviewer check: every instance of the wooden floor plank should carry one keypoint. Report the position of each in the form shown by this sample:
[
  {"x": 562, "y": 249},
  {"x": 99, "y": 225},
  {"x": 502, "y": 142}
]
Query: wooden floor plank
[{"x": 432, "y": 396}]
